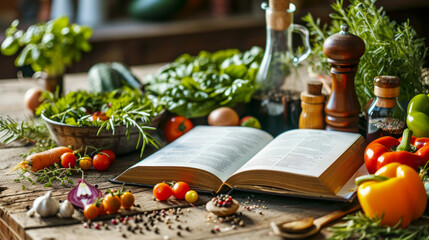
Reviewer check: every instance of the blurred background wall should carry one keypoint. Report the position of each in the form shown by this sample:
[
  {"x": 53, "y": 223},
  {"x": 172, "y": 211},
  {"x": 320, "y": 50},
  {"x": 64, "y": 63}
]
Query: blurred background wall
[{"x": 140, "y": 32}]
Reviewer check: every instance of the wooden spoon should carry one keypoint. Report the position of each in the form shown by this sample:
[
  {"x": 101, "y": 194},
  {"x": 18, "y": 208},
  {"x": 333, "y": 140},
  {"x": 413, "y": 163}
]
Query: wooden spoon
[{"x": 308, "y": 226}]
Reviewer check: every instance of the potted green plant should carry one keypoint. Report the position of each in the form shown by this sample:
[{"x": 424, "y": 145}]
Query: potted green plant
[
  {"x": 390, "y": 48},
  {"x": 48, "y": 47}
]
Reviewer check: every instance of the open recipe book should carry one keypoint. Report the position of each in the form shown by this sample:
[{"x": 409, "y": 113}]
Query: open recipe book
[{"x": 302, "y": 162}]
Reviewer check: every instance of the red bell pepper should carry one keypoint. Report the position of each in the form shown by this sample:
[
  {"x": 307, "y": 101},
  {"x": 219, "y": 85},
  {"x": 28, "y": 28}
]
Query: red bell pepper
[{"x": 407, "y": 150}]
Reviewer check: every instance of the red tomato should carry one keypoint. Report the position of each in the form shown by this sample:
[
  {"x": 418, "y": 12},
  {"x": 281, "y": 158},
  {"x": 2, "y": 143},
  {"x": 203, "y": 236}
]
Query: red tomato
[
  {"x": 68, "y": 159},
  {"x": 100, "y": 162},
  {"x": 110, "y": 154},
  {"x": 176, "y": 127},
  {"x": 162, "y": 191},
  {"x": 98, "y": 116},
  {"x": 180, "y": 189}
]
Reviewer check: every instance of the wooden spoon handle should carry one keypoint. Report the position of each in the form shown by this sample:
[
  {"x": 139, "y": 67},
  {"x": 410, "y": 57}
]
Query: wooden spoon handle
[{"x": 322, "y": 221}]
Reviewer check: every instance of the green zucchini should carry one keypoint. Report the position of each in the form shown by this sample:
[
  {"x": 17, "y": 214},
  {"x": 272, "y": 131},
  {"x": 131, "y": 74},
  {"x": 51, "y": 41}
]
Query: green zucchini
[
  {"x": 126, "y": 74},
  {"x": 105, "y": 77}
]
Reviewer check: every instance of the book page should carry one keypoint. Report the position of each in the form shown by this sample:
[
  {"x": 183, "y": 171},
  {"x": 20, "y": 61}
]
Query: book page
[
  {"x": 304, "y": 151},
  {"x": 219, "y": 150}
]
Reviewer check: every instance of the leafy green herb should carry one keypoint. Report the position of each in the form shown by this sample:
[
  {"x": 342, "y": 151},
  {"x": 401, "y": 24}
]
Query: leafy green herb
[
  {"x": 391, "y": 48},
  {"x": 47, "y": 46},
  {"x": 193, "y": 86},
  {"x": 48, "y": 176},
  {"x": 125, "y": 106},
  {"x": 359, "y": 226},
  {"x": 28, "y": 131}
]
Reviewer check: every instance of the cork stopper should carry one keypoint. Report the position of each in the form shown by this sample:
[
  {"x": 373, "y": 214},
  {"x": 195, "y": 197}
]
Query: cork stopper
[
  {"x": 386, "y": 86},
  {"x": 313, "y": 95},
  {"x": 277, "y": 15},
  {"x": 314, "y": 87},
  {"x": 344, "y": 48},
  {"x": 279, "y": 5}
]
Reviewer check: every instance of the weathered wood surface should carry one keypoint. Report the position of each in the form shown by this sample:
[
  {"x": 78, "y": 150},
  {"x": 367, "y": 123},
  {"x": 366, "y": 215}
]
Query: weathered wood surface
[{"x": 257, "y": 210}]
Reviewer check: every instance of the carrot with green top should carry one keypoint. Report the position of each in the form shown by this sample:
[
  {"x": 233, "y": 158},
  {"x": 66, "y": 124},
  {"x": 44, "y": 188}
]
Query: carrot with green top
[{"x": 43, "y": 159}]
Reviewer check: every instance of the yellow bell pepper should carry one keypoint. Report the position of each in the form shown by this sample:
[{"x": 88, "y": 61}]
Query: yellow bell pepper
[{"x": 395, "y": 192}]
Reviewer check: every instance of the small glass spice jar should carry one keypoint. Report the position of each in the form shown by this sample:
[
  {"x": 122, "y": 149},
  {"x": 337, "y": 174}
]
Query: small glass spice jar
[{"x": 386, "y": 117}]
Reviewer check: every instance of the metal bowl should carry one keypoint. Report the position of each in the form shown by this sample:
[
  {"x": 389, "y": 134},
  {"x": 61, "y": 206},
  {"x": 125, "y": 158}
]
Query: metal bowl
[{"x": 81, "y": 136}]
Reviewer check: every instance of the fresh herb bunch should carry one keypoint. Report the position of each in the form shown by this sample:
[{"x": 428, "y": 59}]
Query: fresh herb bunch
[
  {"x": 125, "y": 106},
  {"x": 48, "y": 176},
  {"x": 390, "y": 48},
  {"x": 47, "y": 46},
  {"x": 424, "y": 174},
  {"x": 359, "y": 226},
  {"x": 193, "y": 86},
  {"x": 28, "y": 131}
]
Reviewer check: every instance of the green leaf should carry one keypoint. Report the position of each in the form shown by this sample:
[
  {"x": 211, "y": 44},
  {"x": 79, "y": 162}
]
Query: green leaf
[
  {"x": 235, "y": 71},
  {"x": 24, "y": 56},
  {"x": 208, "y": 77},
  {"x": 9, "y": 46},
  {"x": 35, "y": 54},
  {"x": 54, "y": 44}
]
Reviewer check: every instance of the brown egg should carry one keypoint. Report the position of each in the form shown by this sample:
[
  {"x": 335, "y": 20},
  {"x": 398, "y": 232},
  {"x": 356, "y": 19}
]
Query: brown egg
[
  {"x": 223, "y": 116},
  {"x": 31, "y": 98}
]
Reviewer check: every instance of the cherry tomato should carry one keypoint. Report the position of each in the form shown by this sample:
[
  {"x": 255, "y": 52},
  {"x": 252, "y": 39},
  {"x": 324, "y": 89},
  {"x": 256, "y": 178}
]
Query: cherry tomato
[
  {"x": 98, "y": 116},
  {"x": 85, "y": 163},
  {"x": 101, "y": 162},
  {"x": 176, "y": 127},
  {"x": 68, "y": 159},
  {"x": 180, "y": 189},
  {"x": 111, "y": 204},
  {"x": 191, "y": 196},
  {"x": 162, "y": 191},
  {"x": 127, "y": 200},
  {"x": 101, "y": 210},
  {"x": 90, "y": 211},
  {"x": 250, "y": 121},
  {"x": 110, "y": 154}
]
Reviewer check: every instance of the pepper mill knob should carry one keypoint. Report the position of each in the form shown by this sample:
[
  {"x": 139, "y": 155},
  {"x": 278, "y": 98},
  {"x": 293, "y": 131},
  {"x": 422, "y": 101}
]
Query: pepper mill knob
[{"x": 344, "y": 51}]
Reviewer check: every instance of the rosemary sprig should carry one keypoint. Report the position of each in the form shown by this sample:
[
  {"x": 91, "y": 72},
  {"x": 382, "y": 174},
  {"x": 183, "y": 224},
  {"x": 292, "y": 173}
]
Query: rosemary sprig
[
  {"x": 27, "y": 131},
  {"x": 48, "y": 176},
  {"x": 390, "y": 48},
  {"x": 359, "y": 226}
]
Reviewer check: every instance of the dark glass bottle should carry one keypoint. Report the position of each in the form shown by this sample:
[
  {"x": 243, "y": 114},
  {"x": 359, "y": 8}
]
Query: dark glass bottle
[{"x": 386, "y": 117}]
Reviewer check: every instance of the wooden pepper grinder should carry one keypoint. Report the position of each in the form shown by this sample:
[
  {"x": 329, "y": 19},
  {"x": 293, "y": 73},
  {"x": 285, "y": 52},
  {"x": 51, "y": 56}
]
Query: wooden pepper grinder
[
  {"x": 312, "y": 103},
  {"x": 344, "y": 51}
]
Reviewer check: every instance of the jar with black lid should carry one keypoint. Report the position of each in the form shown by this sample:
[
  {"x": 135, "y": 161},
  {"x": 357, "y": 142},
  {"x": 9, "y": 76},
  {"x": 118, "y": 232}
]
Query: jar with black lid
[{"x": 386, "y": 117}]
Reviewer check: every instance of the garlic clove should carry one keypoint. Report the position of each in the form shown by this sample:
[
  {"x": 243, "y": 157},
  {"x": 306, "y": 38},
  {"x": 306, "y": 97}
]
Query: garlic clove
[
  {"x": 66, "y": 209},
  {"x": 47, "y": 206},
  {"x": 36, "y": 202}
]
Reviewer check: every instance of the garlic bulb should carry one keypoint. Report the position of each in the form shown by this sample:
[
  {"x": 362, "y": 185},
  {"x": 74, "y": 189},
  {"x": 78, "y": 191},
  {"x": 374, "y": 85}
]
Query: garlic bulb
[
  {"x": 45, "y": 206},
  {"x": 66, "y": 209}
]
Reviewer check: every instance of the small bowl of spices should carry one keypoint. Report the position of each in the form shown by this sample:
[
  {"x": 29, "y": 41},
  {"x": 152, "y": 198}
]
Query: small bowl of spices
[{"x": 222, "y": 205}]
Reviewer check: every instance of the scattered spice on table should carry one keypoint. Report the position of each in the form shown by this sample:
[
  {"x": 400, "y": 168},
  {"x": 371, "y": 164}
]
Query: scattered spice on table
[{"x": 151, "y": 221}]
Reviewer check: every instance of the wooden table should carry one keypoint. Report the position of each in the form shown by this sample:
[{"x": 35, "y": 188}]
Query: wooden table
[{"x": 257, "y": 210}]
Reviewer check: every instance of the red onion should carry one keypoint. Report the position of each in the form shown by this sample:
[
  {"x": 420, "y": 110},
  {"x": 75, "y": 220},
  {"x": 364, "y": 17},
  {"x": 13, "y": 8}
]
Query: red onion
[{"x": 83, "y": 194}]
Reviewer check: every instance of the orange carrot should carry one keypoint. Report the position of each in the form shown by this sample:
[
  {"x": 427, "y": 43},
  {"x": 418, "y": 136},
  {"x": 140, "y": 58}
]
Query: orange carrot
[{"x": 43, "y": 159}]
